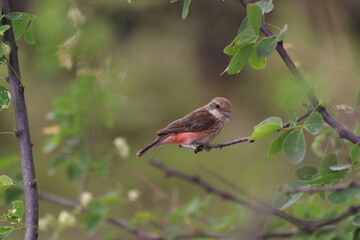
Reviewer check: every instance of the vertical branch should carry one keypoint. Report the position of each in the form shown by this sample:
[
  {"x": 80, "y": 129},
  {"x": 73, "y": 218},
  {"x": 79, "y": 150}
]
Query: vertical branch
[{"x": 22, "y": 133}]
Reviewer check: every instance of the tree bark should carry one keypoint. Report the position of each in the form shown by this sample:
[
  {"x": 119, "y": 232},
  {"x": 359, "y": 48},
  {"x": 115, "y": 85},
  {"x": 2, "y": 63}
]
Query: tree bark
[{"x": 22, "y": 133}]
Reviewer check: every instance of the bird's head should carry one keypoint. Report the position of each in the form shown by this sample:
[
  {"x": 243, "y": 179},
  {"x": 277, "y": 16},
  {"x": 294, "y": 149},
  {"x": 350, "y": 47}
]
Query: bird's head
[{"x": 220, "y": 107}]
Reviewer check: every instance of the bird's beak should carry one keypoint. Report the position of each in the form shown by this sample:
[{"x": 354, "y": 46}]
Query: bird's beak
[{"x": 227, "y": 114}]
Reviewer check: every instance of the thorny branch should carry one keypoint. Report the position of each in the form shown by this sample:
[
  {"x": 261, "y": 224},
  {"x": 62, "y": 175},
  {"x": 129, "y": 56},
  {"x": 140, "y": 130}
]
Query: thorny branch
[
  {"x": 303, "y": 225},
  {"x": 129, "y": 228}
]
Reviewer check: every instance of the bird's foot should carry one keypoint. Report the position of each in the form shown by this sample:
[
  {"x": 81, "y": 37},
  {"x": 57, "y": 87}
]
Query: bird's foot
[{"x": 203, "y": 146}]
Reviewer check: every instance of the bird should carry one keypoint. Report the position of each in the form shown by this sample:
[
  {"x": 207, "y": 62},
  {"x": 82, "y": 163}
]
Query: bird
[{"x": 200, "y": 126}]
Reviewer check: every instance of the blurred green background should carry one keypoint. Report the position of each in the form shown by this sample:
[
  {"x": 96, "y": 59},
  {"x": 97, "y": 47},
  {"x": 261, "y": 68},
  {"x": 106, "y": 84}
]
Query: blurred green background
[{"x": 157, "y": 68}]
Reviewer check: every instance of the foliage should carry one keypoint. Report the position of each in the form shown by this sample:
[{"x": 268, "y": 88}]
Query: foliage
[{"x": 89, "y": 104}]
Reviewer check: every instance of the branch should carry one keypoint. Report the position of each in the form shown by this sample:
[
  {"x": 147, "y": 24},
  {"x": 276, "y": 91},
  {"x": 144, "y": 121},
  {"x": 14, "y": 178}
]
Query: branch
[
  {"x": 126, "y": 226},
  {"x": 22, "y": 133},
  {"x": 324, "y": 189},
  {"x": 260, "y": 208},
  {"x": 343, "y": 132},
  {"x": 303, "y": 225},
  {"x": 208, "y": 147}
]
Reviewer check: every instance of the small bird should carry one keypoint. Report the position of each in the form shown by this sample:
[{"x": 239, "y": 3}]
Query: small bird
[{"x": 198, "y": 127}]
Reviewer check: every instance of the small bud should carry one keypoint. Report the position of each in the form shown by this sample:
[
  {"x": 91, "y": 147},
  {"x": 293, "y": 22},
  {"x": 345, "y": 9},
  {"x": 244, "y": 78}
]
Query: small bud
[
  {"x": 133, "y": 195},
  {"x": 51, "y": 130},
  {"x": 76, "y": 17},
  {"x": 66, "y": 219},
  {"x": 7, "y": 50},
  {"x": 46, "y": 222},
  {"x": 86, "y": 198},
  {"x": 122, "y": 147}
]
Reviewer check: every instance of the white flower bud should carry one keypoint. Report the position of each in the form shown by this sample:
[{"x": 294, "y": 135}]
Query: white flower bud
[
  {"x": 66, "y": 219},
  {"x": 133, "y": 195},
  {"x": 122, "y": 147},
  {"x": 86, "y": 198}
]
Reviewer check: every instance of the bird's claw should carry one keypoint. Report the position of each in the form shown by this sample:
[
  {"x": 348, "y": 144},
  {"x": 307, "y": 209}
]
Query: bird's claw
[{"x": 202, "y": 146}]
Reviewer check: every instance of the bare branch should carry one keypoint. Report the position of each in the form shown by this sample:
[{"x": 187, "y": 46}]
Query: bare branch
[
  {"x": 260, "y": 208},
  {"x": 343, "y": 132},
  {"x": 303, "y": 224},
  {"x": 22, "y": 132},
  {"x": 126, "y": 226},
  {"x": 324, "y": 189}
]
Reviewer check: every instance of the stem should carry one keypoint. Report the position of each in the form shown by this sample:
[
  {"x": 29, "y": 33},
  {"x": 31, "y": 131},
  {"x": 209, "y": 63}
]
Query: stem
[
  {"x": 343, "y": 132},
  {"x": 22, "y": 133}
]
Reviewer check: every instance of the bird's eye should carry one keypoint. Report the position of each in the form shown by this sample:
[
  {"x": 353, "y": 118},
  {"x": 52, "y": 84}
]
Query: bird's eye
[{"x": 217, "y": 106}]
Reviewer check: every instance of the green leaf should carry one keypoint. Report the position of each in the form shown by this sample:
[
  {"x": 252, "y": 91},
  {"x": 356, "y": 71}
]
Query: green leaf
[
  {"x": 340, "y": 197},
  {"x": 5, "y": 231},
  {"x": 29, "y": 35},
  {"x": 282, "y": 200},
  {"x": 5, "y": 98},
  {"x": 254, "y": 14},
  {"x": 266, "y": 46},
  {"x": 8, "y": 160},
  {"x": 328, "y": 161},
  {"x": 15, "y": 214},
  {"x": 292, "y": 118},
  {"x": 283, "y": 32},
  {"x": 19, "y": 25},
  {"x": 196, "y": 205},
  {"x": 256, "y": 62},
  {"x": 246, "y": 37},
  {"x": 294, "y": 146},
  {"x": 265, "y": 5},
  {"x": 327, "y": 178},
  {"x": 239, "y": 60},
  {"x": 74, "y": 172},
  {"x": 358, "y": 98},
  {"x": 314, "y": 124},
  {"x": 225, "y": 224},
  {"x": 356, "y": 234},
  {"x": 3, "y": 28},
  {"x": 5, "y": 183},
  {"x": 244, "y": 25},
  {"x": 340, "y": 167},
  {"x": 266, "y": 127},
  {"x": 355, "y": 153},
  {"x": 143, "y": 217},
  {"x": 277, "y": 144},
  {"x": 307, "y": 173},
  {"x": 185, "y": 9},
  {"x": 356, "y": 220},
  {"x": 15, "y": 15}
]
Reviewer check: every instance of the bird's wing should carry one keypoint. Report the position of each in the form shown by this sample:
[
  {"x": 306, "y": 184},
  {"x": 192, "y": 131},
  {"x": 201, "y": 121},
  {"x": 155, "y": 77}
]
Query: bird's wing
[{"x": 196, "y": 121}]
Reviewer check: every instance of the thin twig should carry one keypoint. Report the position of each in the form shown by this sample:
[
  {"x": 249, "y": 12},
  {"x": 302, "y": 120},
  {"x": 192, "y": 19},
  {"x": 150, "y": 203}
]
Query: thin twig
[
  {"x": 303, "y": 224},
  {"x": 225, "y": 195},
  {"x": 126, "y": 226},
  {"x": 324, "y": 189},
  {"x": 207, "y": 147},
  {"x": 22, "y": 132},
  {"x": 343, "y": 131}
]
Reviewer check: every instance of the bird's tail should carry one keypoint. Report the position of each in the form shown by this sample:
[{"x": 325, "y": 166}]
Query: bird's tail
[{"x": 148, "y": 147}]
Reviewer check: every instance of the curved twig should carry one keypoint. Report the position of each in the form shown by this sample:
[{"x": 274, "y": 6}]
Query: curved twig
[
  {"x": 304, "y": 225},
  {"x": 343, "y": 131}
]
